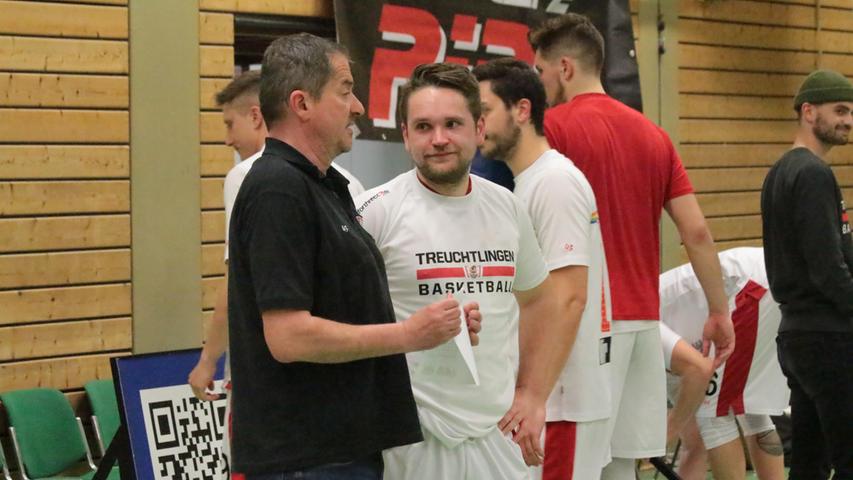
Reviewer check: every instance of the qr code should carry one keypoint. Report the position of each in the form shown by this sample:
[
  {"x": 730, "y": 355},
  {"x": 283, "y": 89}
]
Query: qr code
[{"x": 184, "y": 433}]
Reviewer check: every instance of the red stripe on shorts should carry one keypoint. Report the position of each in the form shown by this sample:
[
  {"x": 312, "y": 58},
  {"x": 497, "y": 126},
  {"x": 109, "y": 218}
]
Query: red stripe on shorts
[
  {"x": 560, "y": 442},
  {"x": 745, "y": 320}
]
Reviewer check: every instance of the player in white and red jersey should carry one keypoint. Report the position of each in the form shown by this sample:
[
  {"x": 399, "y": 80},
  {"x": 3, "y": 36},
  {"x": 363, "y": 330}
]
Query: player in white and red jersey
[
  {"x": 564, "y": 214},
  {"x": 749, "y": 387},
  {"x": 442, "y": 231}
]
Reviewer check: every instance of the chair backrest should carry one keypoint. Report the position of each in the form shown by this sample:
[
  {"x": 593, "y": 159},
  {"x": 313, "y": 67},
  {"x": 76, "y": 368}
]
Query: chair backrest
[
  {"x": 102, "y": 396},
  {"x": 46, "y": 430}
]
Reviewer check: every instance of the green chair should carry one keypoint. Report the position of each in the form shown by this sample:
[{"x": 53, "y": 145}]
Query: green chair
[
  {"x": 46, "y": 436},
  {"x": 105, "y": 417}
]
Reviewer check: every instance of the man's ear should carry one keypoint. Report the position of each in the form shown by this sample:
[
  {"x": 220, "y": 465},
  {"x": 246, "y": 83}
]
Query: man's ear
[
  {"x": 522, "y": 110},
  {"x": 256, "y": 116},
  {"x": 300, "y": 104},
  {"x": 567, "y": 68}
]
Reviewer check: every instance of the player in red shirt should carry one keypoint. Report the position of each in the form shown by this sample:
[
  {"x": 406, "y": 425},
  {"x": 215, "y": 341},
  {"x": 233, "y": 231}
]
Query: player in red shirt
[{"x": 635, "y": 173}]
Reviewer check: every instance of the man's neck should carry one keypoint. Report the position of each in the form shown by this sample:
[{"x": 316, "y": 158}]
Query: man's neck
[
  {"x": 310, "y": 148},
  {"x": 458, "y": 189},
  {"x": 582, "y": 86},
  {"x": 806, "y": 139},
  {"x": 530, "y": 147}
]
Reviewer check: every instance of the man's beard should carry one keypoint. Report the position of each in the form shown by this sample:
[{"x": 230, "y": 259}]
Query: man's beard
[
  {"x": 505, "y": 146},
  {"x": 829, "y": 134},
  {"x": 445, "y": 177}
]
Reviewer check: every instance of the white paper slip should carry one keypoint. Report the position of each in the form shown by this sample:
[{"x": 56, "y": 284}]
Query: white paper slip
[{"x": 463, "y": 343}]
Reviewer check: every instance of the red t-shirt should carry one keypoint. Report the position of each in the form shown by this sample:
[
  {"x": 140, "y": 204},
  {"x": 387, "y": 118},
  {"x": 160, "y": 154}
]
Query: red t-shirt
[{"x": 633, "y": 169}]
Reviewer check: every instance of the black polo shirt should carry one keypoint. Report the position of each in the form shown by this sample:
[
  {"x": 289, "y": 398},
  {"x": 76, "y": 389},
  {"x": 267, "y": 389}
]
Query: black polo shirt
[{"x": 295, "y": 244}]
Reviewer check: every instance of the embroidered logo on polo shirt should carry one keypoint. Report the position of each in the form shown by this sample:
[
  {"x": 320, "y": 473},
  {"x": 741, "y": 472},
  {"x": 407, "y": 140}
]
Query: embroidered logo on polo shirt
[{"x": 345, "y": 228}]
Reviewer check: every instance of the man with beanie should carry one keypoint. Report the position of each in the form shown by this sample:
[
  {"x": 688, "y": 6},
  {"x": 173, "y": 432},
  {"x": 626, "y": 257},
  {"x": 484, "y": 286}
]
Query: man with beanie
[{"x": 809, "y": 258}]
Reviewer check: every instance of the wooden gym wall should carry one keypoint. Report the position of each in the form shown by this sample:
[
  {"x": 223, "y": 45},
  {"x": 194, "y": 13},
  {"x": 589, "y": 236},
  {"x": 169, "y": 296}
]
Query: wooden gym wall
[
  {"x": 739, "y": 65},
  {"x": 65, "y": 298}
]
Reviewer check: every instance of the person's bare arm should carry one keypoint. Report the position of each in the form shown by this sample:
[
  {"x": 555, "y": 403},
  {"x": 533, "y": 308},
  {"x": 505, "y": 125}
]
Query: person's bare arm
[
  {"x": 695, "y": 371},
  {"x": 699, "y": 244},
  {"x": 297, "y": 336},
  {"x": 215, "y": 342},
  {"x": 544, "y": 329}
]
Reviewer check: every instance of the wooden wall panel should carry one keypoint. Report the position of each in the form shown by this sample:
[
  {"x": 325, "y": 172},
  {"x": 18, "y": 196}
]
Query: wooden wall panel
[
  {"x": 216, "y": 28},
  {"x": 80, "y": 337},
  {"x": 60, "y": 372},
  {"x": 19, "y": 54},
  {"x": 213, "y": 226},
  {"x": 53, "y": 197},
  {"x": 64, "y": 268},
  {"x": 63, "y": 126},
  {"x": 64, "y": 193},
  {"x": 49, "y": 90},
  {"x": 62, "y": 20},
  {"x": 63, "y": 161},
  {"x": 64, "y": 233},
  {"x": 211, "y": 193},
  {"x": 741, "y": 63},
  {"x": 212, "y": 256},
  {"x": 64, "y": 303},
  {"x": 216, "y": 160}
]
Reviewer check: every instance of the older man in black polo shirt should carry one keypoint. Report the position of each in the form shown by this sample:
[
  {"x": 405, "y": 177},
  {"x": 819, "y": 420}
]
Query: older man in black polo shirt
[{"x": 320, "y": 383}]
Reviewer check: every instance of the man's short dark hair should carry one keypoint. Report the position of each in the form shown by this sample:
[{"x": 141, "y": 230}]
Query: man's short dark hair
[
  {"x": 573, "y": 35},
  {"x": 442, "y": 75},
  {"x": 294, "y": 62},
  {"x": 248, "y": 83},
  {"x": 512, "y": 80}
]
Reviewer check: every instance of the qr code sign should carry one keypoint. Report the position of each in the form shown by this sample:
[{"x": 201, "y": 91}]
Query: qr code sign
[{"x": 184, "y": 433}]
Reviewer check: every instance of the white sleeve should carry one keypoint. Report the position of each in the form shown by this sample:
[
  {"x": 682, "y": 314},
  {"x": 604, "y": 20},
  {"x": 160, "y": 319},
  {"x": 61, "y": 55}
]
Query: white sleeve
[
  {"x": 355, "y": 187},
  {"x": 530, "y": 268},
  {"x": 371, "y": 212},
  {"x": 562, "y": 207},
  {"x": 668, "y": 339},
  {"x": 233, "y": 180}
]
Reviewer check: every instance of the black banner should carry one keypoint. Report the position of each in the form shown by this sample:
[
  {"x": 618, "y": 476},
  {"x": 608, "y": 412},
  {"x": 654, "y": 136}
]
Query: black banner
[{"x": 388, "y": 39}]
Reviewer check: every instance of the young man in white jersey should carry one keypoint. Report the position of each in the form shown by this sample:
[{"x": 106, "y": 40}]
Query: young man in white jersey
[
  {"x": 562, "y": 209},
  {"x": 744, "y": 391},
  {"x": 245, "y": 132},
  {"x": 444, "y": 232}
]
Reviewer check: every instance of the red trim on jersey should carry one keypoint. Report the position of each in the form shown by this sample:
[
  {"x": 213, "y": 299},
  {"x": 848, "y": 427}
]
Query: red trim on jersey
[
  {"x": 451, "y": 272},
  {"x": 560, "y": 442},
  {"x": 459, "y": 272},
  {"x": 745, "y": 320},
  {"x": 498, "y": 271}
]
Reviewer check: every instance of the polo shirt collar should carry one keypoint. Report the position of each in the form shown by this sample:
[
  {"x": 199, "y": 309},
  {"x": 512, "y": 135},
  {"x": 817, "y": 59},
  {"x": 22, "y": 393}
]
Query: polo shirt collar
[{"x": 278, "y": 148}]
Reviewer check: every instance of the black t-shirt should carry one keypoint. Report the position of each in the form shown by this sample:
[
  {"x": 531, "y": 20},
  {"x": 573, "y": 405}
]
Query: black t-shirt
[
  {"x": 295, "y": 244},
  {"x": 807, "y": 245}
]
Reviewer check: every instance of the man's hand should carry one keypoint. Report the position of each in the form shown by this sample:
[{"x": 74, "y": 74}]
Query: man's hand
[
  {"x": 474, "y": 320},
  {"x": 719, "y": 330},
  {"x": 526, "y": 419},
  {"x": 201, "y": 380},
  {"x": 433, "y": 325}
]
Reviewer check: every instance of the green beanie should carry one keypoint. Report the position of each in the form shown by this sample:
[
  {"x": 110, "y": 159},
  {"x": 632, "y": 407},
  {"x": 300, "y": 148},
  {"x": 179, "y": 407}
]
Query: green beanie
[{"x": 822, "y": 86}]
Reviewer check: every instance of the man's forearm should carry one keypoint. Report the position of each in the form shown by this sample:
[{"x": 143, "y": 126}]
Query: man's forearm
[
  {"x": 319, "y": 340},
  {"x": 216, "y": 328},
  {"x": 547, "y": 332}
]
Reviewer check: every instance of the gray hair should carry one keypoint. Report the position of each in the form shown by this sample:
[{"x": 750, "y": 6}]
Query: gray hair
[{"x": 294, "y": 62}]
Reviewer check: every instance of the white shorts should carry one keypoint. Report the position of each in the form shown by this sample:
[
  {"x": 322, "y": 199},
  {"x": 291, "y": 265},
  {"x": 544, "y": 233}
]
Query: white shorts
[
  {"x": 493, "y": 457},
  {"x": 638, "y": 424},
  {"x": 717, "y": 431},
  {"x": 574, "y": 450}
]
